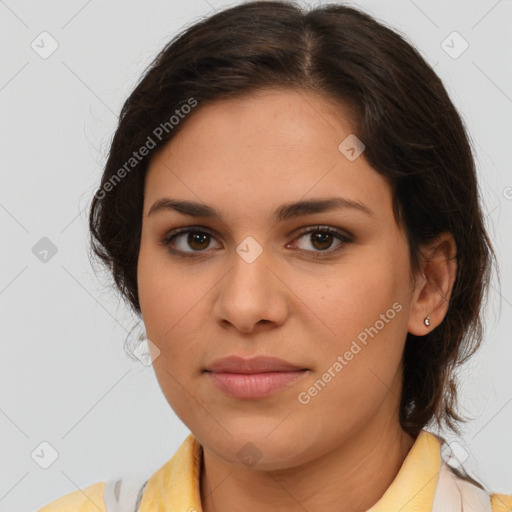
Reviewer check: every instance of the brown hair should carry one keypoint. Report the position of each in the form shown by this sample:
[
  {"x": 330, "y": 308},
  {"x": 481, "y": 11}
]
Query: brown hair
[{"x": 403, "y": 114}]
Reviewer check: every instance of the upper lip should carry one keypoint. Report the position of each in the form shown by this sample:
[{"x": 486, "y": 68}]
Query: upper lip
[{"x": 260, "y": 364}]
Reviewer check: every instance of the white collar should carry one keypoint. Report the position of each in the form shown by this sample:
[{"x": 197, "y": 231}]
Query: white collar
[{"x": 454, "y": 494}]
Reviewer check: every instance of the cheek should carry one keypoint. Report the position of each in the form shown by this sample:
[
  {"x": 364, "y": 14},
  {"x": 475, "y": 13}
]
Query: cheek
[
  {"x": 165, "y": 296},
  {"x": 366, "y": 312},
  {"x": 175, "y": 308},
  {"x": 363, "y": 352},
  {"x": 351, "y": 301},
  {"x": 171, "y": 306}
]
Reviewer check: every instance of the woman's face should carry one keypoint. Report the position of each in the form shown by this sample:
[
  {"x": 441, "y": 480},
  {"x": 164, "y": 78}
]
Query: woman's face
[{"x": 256, "y": 284}]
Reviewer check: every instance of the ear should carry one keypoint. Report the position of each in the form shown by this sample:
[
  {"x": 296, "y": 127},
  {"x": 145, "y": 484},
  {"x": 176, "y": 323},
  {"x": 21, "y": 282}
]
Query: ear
[{"x": 431, "y": 294}]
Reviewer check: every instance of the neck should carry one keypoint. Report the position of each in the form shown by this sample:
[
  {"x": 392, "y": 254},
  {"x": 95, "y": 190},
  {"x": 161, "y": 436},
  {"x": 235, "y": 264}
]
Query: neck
[{"x": 345, "y": 475}]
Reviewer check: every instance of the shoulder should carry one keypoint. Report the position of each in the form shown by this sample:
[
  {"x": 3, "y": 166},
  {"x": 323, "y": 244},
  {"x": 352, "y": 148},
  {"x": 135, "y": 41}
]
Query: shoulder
[
  {"x": 89, "y": 499},
  {"x": 501, "y": 502}
]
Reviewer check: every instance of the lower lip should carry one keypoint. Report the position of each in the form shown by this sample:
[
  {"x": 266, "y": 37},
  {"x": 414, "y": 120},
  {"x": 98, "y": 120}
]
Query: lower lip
[{"x": 254, "y": 385}]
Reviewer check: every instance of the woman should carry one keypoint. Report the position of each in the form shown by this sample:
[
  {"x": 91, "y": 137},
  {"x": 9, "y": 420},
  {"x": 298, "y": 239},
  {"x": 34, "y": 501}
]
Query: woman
[{"x": 286, "y": 206}]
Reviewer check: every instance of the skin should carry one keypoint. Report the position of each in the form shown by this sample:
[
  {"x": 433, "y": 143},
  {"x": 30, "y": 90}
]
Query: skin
[{"x": 246, "y": 157}]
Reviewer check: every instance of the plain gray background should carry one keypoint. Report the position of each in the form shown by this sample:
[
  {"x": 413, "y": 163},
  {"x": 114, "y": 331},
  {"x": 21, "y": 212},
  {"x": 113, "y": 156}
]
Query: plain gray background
[{"x": 65, "y": 378}]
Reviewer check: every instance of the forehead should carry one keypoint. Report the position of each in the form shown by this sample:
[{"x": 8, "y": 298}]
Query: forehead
[
  {"x": 266, "y": 119},
  {"x": 262, "y": 150}
]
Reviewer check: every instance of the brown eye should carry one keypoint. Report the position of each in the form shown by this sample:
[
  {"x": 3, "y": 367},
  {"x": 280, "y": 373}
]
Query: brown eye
[
  {"x": 320, "y": 239},
  {"x": 198, "y": 240},
  {"x": 187, "y": 241},
  {"x": 323, "y": 239}
]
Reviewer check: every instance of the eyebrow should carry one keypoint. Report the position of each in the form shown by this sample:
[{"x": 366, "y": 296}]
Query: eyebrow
[{"x": 282, "y": 213}]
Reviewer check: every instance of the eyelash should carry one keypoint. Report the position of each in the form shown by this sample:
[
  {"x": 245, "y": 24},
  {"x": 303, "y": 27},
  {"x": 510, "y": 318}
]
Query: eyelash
[{"x": 344, "y": 239}]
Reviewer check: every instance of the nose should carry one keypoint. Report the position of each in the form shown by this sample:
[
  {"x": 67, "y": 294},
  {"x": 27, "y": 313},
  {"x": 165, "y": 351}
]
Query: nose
[{"x": 251, "y": 295}]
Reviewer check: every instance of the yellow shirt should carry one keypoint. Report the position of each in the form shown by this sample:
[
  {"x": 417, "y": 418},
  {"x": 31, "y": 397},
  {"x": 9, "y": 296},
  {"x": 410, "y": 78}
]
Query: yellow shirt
[{"x": 175, "y": 487}]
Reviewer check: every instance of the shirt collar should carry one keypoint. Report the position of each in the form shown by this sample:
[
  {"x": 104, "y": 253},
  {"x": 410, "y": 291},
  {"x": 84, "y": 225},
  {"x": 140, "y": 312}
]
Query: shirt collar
[
  {"x": 176, "y": 485},
  {"x": 414, "y": 486}
]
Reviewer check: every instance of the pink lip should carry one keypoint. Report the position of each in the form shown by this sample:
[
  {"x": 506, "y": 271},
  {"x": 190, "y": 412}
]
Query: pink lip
[
  {"x": 253, "y": 378},
  {"x": 254, "y": 385},
  {"x": 260, "y": 364}
]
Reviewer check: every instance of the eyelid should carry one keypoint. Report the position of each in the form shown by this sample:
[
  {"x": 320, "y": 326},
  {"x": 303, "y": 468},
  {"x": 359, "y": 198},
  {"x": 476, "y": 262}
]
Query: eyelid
[
  {"x": 188, "y": 229},
  {"x": 329, "y": 229}
]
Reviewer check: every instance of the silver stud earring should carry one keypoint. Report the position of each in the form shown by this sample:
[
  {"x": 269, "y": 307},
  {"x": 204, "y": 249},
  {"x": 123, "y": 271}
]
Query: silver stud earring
[{"x": 427, "y": 321}]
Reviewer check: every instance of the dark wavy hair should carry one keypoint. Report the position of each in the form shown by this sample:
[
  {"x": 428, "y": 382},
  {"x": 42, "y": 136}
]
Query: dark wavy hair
[{"x": 413, "y": 134}]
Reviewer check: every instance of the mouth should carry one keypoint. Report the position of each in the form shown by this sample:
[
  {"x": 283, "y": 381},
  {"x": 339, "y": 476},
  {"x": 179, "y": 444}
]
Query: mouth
[
  {"x": 254, "y": 378},
  {"x": 260, "y": 364}
]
